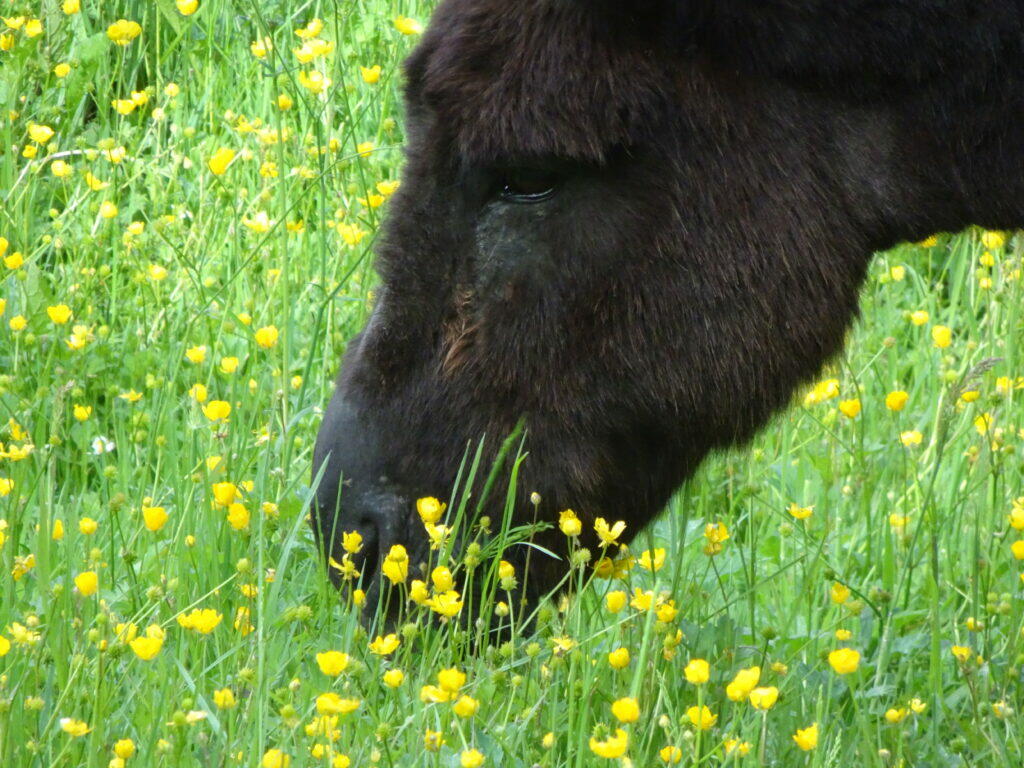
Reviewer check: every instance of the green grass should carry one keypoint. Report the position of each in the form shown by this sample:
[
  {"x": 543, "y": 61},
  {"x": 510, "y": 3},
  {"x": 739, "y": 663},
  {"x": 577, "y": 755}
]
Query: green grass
[{"x": 946, "y": 578}]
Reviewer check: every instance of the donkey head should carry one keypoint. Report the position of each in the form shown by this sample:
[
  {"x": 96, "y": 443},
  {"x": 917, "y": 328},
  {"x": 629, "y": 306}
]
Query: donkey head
[{"x": 639, "y": 231}]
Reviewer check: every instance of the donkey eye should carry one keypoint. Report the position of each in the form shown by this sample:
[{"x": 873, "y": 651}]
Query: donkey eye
[{"x": 527, "y": 185}]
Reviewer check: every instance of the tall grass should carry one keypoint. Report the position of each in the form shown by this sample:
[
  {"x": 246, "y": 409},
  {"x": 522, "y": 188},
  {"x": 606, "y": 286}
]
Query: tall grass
[{"x": 906, "y": 556}]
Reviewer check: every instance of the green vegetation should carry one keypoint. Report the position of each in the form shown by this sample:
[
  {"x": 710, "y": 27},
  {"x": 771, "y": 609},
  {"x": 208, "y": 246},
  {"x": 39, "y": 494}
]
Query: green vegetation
[{"x": 188, "y": 208}]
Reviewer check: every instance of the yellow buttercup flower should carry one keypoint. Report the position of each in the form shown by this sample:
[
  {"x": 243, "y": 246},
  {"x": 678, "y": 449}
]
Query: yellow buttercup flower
[
  {"x": 433, "y": 740},
  {"x": 569, "y": 523},
  {"x": 844, "y": 661},
  {"x": 697, "y": 671},
  {"x": 59, "y": 314},
  {"x": 408, "y": 26},
  {"x": 895, "y": 716},
  {"x": 961, "y": 653},
  {"x": 123, "y": 106},
  {"x": 839, "y": 593},
  {"x": 260, "y": 223},
  {"x": 146, "y": 648},
  {"x": 220, "y": 160},
  {"x": 217, "y": 410},
  {"x": 616, "y": 601},
  {"x": 14, "y": 260},
  {"x": 203, "y": 621},
  {"x": 898, "y": 522},
  {"x": 652, "y": 560},
  {"x": 701, "y": 717},
  {"x": 351, "y": 542},
  {"x": 313, "y": 49},
  {"x": 626, "y": 710},
  {"x": 370, "y": 75},
  {"x": 87, "y": 583},
  {"x": 896, "y": 400},
  {"x": 396, "y": 564},
  {"x": 716, "y": 534},
  {"x": 196, "y": 355},
  {"x": 40, "y": 134},
  {"x": 800, "y": 513},
  {"x": 1017, "y": 548},
  {"x": 466, "y": 707},
  {"x": 430, "y": 509},
  {"x": 332, "y": 663},
  {"x": 331, "y": 703},
  {"x": 619, "y": 658},
  {"x": 807, "y": 738},
  {"x": 74, "y": 728},
  {"x": 275, "y": 758},
  {"x": 608, "y": 534},
  {"x": 613, "y": 746},
  {"x": 447, "y": 603},
  {"x": 238, "y": 516},
  {"x": 314, "y": 81},
  {"x": 187, "y": 7},
  {"x": 982, "y": 423},
  {"x": 743, "y": 683},
  {"x": 850, "y": 408},
  {"x": 124, "y": 748},
  {"x": 384, "y": 645},
  {"x": 822, "y": 391},
  {"x": 225, "y": 493},
  {"x": 670, "y": 755},
  {"x": 764, "y": 698},
  {"x": 267, "y": 336},
  {"x": 942, "y": 336},
  {"x": 123, "y": 32},
  {"x": 911, "y": 437},
  {"x": 994, "y": 241},
  {"x": 154, "y": 518}
]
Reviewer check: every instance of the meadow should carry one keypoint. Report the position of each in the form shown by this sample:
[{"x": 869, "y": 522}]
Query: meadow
[{"x": 190, "y": 196}]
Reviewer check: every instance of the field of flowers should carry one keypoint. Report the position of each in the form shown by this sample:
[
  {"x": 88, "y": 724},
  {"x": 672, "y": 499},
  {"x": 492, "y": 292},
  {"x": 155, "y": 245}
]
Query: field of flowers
[{"x": 189, "y": 194}]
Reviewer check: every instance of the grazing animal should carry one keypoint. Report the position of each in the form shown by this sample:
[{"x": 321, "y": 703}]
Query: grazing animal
[{"x": 639, "y": 227}]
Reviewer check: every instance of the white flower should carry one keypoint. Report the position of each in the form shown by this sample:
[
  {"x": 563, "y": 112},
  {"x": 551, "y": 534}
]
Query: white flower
[{"x": 101, "y": 445}]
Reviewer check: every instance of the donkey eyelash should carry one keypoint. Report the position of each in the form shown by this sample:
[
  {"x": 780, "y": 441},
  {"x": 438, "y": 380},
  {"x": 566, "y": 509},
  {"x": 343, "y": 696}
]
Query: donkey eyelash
[{"x": 527, "y": 185}]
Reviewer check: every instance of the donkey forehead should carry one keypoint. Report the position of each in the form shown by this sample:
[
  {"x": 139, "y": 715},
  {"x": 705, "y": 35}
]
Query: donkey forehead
[{"x": 536, "y": 78}]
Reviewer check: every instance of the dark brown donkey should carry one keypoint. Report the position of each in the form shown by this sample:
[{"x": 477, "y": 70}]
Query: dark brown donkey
[{"x": 640, "y": 226}]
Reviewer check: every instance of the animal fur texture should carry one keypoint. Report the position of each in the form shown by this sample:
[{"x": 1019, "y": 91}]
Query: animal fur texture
[{"x": 722, "y": 172}]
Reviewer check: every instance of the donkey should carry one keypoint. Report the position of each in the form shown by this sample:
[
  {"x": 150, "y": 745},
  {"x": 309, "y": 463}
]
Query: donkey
[{"x": 638, "y": 228}]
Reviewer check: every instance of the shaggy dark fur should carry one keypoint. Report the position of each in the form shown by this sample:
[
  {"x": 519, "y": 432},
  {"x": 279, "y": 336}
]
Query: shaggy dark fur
[{"x": 724, "y": 170}]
